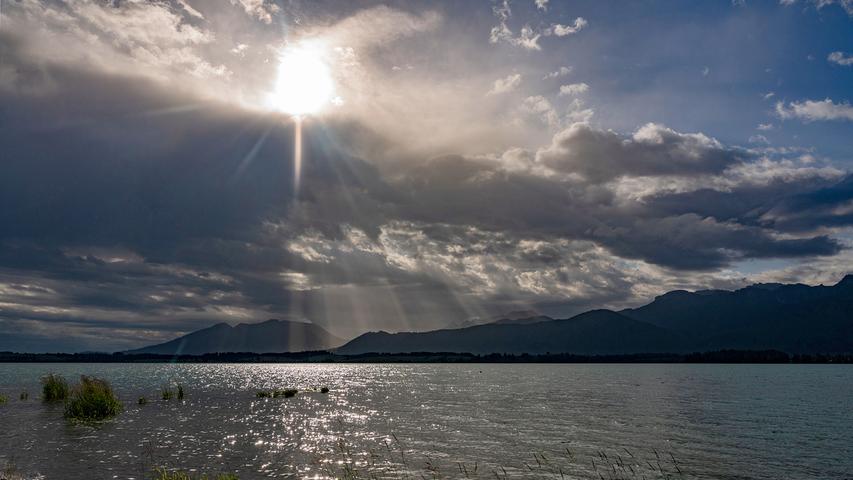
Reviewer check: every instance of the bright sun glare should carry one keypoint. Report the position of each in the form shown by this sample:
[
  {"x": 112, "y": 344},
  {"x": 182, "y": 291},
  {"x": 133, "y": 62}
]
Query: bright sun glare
[{"x": 304, "y": 82}]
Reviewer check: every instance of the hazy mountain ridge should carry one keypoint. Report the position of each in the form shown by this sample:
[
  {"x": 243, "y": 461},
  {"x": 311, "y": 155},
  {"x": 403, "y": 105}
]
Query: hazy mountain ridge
[{"x": 266, "y": 337}]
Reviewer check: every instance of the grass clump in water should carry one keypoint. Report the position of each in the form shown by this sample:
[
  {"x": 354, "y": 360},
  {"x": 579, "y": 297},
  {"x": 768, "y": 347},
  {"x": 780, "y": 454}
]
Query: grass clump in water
[
  {"x": 324, "y": 390},
  {"x": 92, "y": 399},
  {"x": 3, "y": 399},
  {"x": 180, "y": 392},
  {"x": 167, "y": 393},
  {"x": 286, "y": 393},
  {"x": 163, "y": 474},
  {"x": 142, "y": 401},
  {"x": 25, "y": 395},
  {"x": 54, "y": 388}
]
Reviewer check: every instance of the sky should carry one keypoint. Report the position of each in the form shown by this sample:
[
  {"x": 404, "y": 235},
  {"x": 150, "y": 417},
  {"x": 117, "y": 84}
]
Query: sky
[{"x": 472, "y": 159}]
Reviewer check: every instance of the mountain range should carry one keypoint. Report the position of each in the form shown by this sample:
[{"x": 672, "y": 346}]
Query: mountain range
[
  {"x": 271, "y": 336},
  {"x": 794, "y": 318}
]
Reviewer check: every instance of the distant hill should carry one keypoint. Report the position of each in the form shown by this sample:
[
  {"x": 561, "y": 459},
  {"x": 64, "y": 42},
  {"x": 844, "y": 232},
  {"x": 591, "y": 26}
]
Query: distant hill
[
  {"x": 265, "y": 337},
  {"x": 793, "y": 318},
  {"x": 797, "y": 319},
  {"x": 595, "y": 332}
]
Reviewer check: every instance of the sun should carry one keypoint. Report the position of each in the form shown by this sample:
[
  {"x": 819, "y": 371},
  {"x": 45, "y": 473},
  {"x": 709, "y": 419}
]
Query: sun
[{"x": 304, "y": 85}]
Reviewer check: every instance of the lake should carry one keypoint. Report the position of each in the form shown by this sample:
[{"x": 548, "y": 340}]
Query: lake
[{"x": 449, "y": 421}]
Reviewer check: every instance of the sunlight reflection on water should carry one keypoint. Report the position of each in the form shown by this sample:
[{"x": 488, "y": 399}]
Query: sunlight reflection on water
[{"x": 718, "y": 421}]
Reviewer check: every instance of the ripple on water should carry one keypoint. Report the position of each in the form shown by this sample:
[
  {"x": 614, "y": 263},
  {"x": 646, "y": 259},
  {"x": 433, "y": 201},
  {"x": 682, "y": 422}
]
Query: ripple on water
[{"x": 760, "y": 422}]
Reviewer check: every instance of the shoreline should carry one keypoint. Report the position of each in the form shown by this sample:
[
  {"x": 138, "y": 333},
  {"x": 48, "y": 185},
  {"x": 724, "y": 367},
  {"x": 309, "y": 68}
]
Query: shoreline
[{"x": 714, "y": 357}]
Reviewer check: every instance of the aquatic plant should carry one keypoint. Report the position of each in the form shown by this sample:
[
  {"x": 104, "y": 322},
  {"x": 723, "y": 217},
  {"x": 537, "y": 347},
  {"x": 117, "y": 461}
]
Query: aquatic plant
[
  {"x": 10, "y": 472},
  {"x": 180, "y": 392},
  {"x": 263, "y": 394},
  {"x": 163, "y": 474},
  {"x": 286, "y": 393},
  {"x": 3, "y": 399},
  {"x": 92, "y": 399},
  {"x": 24, "y": 395},
  {"x": 54, "y": 388},
  {"x": 324, "y": 390},
  {"x": 167, "y": 393},
  {"x": 142, "y": 401}
]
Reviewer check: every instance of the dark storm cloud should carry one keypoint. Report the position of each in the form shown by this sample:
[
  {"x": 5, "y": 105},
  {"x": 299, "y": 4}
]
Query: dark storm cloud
[{"x": 600, "y": 155}]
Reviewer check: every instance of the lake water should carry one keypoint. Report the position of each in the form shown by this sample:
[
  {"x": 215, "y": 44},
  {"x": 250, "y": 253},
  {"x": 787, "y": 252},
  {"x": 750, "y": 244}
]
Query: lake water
[{"x": 450, "y": 421}]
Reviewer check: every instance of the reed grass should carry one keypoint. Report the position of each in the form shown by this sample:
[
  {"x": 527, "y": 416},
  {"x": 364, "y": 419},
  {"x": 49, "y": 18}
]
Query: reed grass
[
  {"x": 24, "y": 396},
  {"x": 93, "y": 399},
  {"x": 3, "y": 399},
  {"x": 324, "y": 390},
  {"x": 54, "y": 388},
  {"x": 393, "y": 461},
  {"x": 167, "y": 393},
  {"x": 180, "y": 392},
  {"x": 142, "y": 401}
]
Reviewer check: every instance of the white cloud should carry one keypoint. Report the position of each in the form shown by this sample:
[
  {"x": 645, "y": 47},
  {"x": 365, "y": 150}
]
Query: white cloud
[
  {"x": 260, "y": 9},
  {"x": 769, "y": 95},
  {"x": 840, "y": 58},
  {"x": 506, "y": 84},
  {"x": 764, "y": 127},
  {"x": 573, "y": 89},
  {"x": 560, "y": 72},
  {"x": 564, "y": 30},
  {"x": 847, "y": 5},
  {"x": 815, "y": 110},
  {"x": 542, "y": 4},
  {"x": 540, "y": 106},
  {"x": 759, "y": 139},
  {"x": 528, "y": 37}
]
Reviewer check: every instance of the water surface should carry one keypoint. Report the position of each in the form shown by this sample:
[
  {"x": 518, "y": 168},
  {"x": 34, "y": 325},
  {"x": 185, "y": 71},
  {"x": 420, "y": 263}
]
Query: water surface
[{"x": 715, "y": 421}]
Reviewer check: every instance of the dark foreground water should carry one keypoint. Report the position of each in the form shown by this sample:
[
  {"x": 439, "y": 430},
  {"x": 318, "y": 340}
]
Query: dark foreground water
[{"x": 516, "y": 421}]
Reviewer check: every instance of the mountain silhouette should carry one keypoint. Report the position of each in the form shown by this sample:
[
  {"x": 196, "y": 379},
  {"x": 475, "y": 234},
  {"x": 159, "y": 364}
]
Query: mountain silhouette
[
  {"x": 792, "y": 318},
  {"x": 265, "y": 337},
  {"x": 594, "y": 332}
]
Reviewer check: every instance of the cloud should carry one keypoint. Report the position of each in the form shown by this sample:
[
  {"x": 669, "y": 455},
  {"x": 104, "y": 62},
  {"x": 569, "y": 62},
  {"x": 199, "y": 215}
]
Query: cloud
[
  {"x": 815, "y": 110},
  {"x": 652, "y": 150},
  {"x": 528, "y": 37},
  {"x": 136, "y": 208},
  {"x": 541, "y": 4},
  {"x": 263, "y": 10},
  {"x": 149, "y": 39},
  {"x": 840, "y": 58},
  {"x": 573, "y": 89},
  {"x": 542, "y": 108},
  {"x": 559, "y": 30},
  {"x": 846, "y": 5},
  {"x": 560, "y": 72},
  {"x": 765, "y": 127},
  {"x": 506, "y": 84}
]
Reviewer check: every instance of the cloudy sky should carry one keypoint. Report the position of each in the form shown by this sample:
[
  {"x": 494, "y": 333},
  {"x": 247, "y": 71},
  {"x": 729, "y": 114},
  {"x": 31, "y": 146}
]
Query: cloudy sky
[{"x": 473, "y": 158}]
